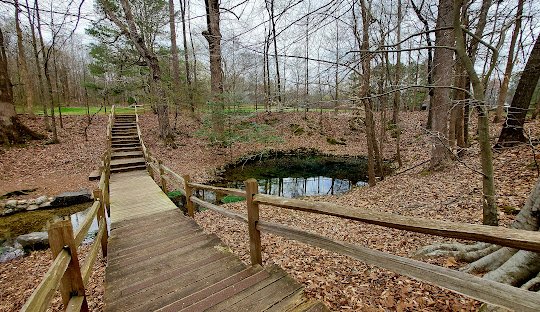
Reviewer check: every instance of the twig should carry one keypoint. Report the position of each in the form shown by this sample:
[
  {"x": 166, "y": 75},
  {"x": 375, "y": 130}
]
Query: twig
[
  {"x": 534, "y": 154},
  {"x": 411, "y": 168}
]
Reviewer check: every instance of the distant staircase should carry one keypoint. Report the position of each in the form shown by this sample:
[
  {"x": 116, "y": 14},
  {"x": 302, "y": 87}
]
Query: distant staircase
[{"x": 126, "y": 148}]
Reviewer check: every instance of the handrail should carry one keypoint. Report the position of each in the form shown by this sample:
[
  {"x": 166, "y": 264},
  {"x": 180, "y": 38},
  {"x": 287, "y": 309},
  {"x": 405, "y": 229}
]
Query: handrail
[
  {"x": 44, "y": 292},
  {"x": 463, "y": 283},
  {"x": 217, "y": 189},
  {"x": 520, "y": 239},
  {"x": 64, "y": 242},
  {"x": 459, "y": 282}
]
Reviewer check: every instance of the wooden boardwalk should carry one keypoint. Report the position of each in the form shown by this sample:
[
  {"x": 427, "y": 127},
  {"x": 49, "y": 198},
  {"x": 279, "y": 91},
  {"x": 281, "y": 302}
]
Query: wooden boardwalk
[{"x": 160, "y": 260}]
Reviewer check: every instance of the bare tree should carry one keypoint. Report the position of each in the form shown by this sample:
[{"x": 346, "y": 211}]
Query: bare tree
[
  {"x": 23, "y": 68},
  {"x": 186, "y": 56},
  {"x": 11, "y": 130},
  {"x": 503, "y": 92},
  {"x": 213, "y": 36},
  {"x": 489, "y": 207},
  {"x": 175, "y": 66},
  {"x": 443, "y": 61},
  {"x": 512, "y": 131},
  {"x": 129, "y": 28}
]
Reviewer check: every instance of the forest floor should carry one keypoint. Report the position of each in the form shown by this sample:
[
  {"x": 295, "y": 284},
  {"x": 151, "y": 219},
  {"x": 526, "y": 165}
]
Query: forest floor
[{"x": 343, "y": 284}]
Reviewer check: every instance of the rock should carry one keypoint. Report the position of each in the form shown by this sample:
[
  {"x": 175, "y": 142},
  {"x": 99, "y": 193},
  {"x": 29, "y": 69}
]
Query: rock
[
  {"x": 32, "y": 207},
  {"x": 2, "y": 206},
  {"x": 10, "y": 253},
  {"x": 72, "y": 198},
  {"x": 22, "y": 202},
  {"x": 34, "y": 240},
  {"x": 8, "y": 212},
  {"x": 45, "y": 205},
  {"x": 10, "y": 204},
  {"x": 40, "y": 200}
]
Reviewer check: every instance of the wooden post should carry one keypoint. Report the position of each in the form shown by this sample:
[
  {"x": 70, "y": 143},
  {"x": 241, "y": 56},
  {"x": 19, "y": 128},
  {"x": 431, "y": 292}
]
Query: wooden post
[
  {"x": 101, "y": 217},
  {"x": 60, "y": 238},
  {"x": 189, "y": 193},
  {"x": 252, "y": 188},
  {"x": 162, "y": 177},
  {"x": 106, "y": 197},
  {"x": 148, "y": 162}
]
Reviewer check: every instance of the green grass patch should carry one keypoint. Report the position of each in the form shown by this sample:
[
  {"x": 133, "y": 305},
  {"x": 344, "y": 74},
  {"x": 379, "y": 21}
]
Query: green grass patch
[
  {"x": 232, "y": 199},
  {"x": 75, "y": 110}
]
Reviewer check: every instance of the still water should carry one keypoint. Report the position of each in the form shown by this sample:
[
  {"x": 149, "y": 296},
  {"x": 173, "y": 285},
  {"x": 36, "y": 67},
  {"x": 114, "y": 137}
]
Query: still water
[
  {"x": 37, "y": 221},
  {"x": 297, "y": 175}
]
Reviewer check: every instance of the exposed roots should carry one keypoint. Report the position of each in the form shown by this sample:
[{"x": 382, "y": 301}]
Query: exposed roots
[
  {"x": 516, "y": 270},
  {"x": 461, "y": 252},
  {"x": 491, "y": 261},
  {"x": 15, "y": 132},
  {"x": 533, "y": 284}
]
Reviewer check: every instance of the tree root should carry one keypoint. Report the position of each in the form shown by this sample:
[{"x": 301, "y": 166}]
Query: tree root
[
  {"x": 533, "y": 284},
  {"x": 15, "y": 132},
  {"x": 459, "y": 251},
  {"x": 491, "y": 261},
  {"x": 516, "y": 270}
]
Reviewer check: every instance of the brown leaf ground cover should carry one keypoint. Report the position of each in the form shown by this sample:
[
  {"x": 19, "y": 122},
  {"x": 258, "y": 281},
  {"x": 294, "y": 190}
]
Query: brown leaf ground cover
[{"x": 342, "y": 283}]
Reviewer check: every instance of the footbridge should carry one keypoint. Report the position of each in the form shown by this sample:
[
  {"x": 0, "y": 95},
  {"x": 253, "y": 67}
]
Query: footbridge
[{"x": 159, "y": 259}]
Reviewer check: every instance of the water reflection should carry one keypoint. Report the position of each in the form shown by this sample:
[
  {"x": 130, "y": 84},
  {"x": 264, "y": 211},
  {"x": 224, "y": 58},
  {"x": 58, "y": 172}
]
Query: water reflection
[
  {"x": 296, "y": 175},
  {"x": 296, "y": 187},
  {"x": 78, "y": 218}
]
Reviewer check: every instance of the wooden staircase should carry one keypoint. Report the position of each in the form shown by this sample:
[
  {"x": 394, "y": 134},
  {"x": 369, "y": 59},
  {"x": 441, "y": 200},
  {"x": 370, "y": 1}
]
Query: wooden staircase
[
  {"x": 161, "y": 260},
  {"x": 126, "y": 148},
  {"x": 177, "y": 267}
]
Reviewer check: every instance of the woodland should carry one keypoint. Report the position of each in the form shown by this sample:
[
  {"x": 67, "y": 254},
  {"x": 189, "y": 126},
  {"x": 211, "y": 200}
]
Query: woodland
[{"x": 444, "y": 92}]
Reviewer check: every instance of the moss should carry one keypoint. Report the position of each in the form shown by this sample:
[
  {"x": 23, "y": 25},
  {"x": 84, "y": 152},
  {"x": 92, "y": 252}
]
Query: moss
[
  {"x": 333, "y": 141},
  {"x": 511, "y": 210},
  {"x": 232, "y": 199},
  {"x": 425, "y": 172},
  {"x": 297, "y": 129}
]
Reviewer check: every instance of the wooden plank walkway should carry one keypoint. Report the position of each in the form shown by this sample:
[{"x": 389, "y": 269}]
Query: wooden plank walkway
[{"x": 160, "y": 260}]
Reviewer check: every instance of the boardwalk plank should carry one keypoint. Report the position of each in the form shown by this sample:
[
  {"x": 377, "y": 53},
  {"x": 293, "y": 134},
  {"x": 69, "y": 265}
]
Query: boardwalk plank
[{"x": 159, "y": 259}]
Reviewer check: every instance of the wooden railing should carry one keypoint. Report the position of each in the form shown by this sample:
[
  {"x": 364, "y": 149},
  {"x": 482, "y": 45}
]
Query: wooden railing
[
  {"x": 66, "y": 272},
  {"x": 463, "y": 283}
]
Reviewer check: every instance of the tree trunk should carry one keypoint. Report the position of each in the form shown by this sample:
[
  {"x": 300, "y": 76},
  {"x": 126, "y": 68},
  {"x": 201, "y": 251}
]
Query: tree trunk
[
  {"x": 443, "y": 61},
  {"x": 489, "y": 207},
  {"x": 46, "y": 57},
  {"x": 397, "y": 95},
  {"x": 186, "y": 57},
  {"x": 424, "y": 21},
  {"x": 213, "y": 36},
  {"x": 276, "y": 59},
  {"x": 38, "y": 69},
  {"x": 11, "y": 130},
  {"x": 175, "y": 66},
  {"x": 512, "y": 131},
  {"x": 501, "y": 99},
  {"x": 23, "y": 68},
  {"x": 130, "y": 30},
  {"x": 364, "y": 89}
]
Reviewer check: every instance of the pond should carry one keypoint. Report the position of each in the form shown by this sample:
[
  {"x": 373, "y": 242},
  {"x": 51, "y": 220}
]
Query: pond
[
  {"x": 37, "y": 221},
  {"x": 297, "y": 175}
]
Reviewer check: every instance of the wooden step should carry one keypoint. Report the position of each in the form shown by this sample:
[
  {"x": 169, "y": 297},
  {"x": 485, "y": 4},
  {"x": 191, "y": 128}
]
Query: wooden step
[
  {"x": 127, "y": 162},
  {"x": 135, "y": 144},
  {"x": 126, "y": 149},
  {"x": 129, "y": 154},
  {"x": 125, "y": 141},
  {"x": 124, "y": 133},
  {"x": 218, "y": 292},
  {"x": 126, "y": 169},
  {"x": 120, "y": 136}
]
